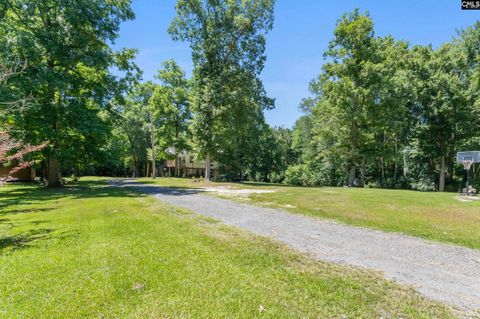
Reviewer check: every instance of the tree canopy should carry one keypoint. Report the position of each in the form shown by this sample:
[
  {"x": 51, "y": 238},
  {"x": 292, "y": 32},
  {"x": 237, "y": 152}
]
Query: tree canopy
[
  {"x": 68, "y": 73},
  {"x": 384, "y": 113},
  {"x": 227, "y": 39}
]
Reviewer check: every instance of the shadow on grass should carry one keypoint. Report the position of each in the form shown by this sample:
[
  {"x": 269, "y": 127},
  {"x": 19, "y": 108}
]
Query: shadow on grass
[
  {"x": 25, "y": 239},
  {"x": 24, "y": 210},
  {"x": 22, "y": 240},
  {"x": 14, "y": 223},
  {"x": 151, "y": 189},
  {"x": 22, "y": 197}
]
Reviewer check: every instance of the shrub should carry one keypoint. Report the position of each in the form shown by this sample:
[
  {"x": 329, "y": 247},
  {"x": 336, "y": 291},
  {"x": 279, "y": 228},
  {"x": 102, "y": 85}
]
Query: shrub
[
  {"x": 423, "y": 183},
  {"x": 275, "y": 177},
  {"x": 299, "y": 174},
  {"x": 372, "y": 184}
]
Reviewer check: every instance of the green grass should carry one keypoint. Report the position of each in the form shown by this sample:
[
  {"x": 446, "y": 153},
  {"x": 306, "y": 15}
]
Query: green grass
[
  {"x": 93, "y": 251},
  {"x": 430, "y": 215}
]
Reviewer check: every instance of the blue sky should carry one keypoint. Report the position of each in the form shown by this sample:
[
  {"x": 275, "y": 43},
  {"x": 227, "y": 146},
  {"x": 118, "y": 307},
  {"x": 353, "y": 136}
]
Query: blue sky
[{"x": 301, "y": 32}]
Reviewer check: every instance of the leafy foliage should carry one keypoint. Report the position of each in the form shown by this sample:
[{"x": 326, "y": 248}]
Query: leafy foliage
[
  {"x": 68, "y": 73},
  {"x": 227, "y": 39},
  {"x": 13, "y": 154},
  {"x": 387, "y": 114}
]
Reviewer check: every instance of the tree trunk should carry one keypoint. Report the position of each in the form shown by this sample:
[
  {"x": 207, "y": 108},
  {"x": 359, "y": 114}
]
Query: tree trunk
[
  {"x": 362, "y": 174},
  {"x": 53, "y": 172},
  {"x": 161, "y": 171},
  {"x": 43, "y": 171},
  {"x": 135, "y": 169},
  {"x": 208, "y": 167},
  {"x": 154, "y": 167},
  {"x": 382, "y": 170},
  {"x": 147, "y": 169},
  {"x": 177, "y": 165},
  {"x": 351, "y": 179},
  {"x": 354, "y": 153},
  {"x": 152, "y": 136},
  {"x": 441, "y": 183},
  {"x": 382, "y": 159},
  {"x": 453, "y": 155},
  {"x": 177, "y": 138},
  {"x": 395, "y": 164}
]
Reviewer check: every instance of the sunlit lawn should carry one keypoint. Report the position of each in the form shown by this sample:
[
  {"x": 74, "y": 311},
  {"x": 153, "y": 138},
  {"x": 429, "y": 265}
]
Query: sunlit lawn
[
  {"x": 436, "y": 216},
  {"x": 93, "y": 251}
]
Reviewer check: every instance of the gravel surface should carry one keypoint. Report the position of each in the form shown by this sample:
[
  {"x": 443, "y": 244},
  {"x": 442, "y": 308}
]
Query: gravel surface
[{"x": 443, "y": 272}]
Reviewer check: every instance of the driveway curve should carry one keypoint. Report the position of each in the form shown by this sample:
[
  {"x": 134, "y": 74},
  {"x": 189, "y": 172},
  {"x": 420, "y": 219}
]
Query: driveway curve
[{"x": 447, "y": 273}]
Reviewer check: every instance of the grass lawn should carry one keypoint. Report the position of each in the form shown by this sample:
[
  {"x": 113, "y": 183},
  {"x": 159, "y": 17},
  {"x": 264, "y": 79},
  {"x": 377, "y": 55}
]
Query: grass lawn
[
  {"x": 430, "y": 215},
  {"x": 98, "y": 252}
]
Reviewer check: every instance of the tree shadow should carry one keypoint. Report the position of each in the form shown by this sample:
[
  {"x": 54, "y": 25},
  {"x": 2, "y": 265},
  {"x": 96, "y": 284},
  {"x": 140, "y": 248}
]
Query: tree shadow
[
  {"x": 147, "y": 189},
  {"x": 22, "y": 197},
  {"x": 14, "y": 223},
  {"x": 23, "y": 240},
  {"x": 24, "y": 211},
  {"x": 27, "y": 238}
]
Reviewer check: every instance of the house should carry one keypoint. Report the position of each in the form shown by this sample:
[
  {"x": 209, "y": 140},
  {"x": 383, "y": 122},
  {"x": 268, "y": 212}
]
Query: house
[
  {"x": 25, "y": 175},
  {"x": 188, "y": 165}
]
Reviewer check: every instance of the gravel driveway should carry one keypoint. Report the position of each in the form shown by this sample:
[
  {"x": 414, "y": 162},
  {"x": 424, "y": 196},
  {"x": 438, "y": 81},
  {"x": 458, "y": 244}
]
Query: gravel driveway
[{"x": 446, "y": 273}]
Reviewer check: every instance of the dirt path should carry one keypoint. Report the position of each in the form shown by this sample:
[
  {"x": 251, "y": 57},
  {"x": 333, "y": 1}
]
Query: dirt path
[{"x": 446, "y": 273}]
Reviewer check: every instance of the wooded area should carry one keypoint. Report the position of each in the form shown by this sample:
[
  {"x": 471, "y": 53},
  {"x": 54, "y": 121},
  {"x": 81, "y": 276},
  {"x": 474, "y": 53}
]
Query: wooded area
[{"x": 382, "y": 113}]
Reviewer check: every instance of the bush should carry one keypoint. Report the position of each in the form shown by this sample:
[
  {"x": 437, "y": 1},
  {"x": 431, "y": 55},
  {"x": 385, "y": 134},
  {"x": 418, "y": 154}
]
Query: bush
[
  {"x": 299, "y": 174},
  {"x": 423, "y": 183},
  {"x": 275, "y": 177},
  {"x": 372, "y": 184},
  {"x": 403, "y": 183}
]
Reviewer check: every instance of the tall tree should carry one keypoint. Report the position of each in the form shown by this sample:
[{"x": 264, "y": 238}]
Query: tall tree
[
  {"x": 227, "y": 39},
  {"x": 69, "y": 72},
  {"x": 142, "y": 123},
  {"x": 390, "y": 119},
  {"x": 347, "y": 93},
  {"x": 159, "y": 114},
  {"x": 446, "y": 115},
  {"x": 133, "y": 127},
  {"x": 176, "y": 90},
  {"x": 302, "y": 138}
]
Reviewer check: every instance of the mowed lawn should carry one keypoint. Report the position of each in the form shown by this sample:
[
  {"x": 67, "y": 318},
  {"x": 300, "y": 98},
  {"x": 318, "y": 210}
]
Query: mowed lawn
[
  {"x": 93, "y": 251},
  {"x": 436, "y": 216}
]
